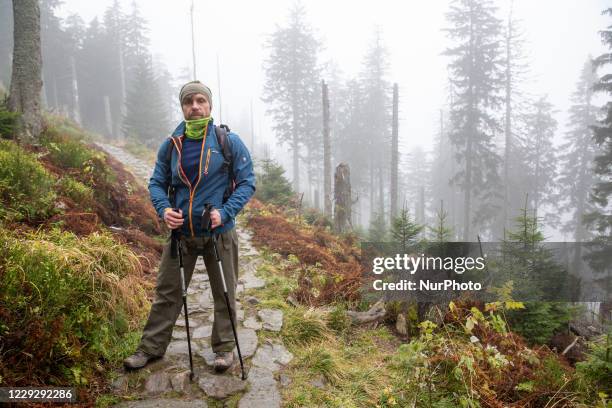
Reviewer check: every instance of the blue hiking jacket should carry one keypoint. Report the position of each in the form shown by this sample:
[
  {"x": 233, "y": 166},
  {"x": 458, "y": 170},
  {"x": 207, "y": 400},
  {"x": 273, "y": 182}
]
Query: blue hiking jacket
[{"x": 211, "y": 185}]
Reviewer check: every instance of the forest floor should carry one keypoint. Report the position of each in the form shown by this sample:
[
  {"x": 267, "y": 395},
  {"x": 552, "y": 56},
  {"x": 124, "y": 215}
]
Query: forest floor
[{"x": 84, "y": 230}]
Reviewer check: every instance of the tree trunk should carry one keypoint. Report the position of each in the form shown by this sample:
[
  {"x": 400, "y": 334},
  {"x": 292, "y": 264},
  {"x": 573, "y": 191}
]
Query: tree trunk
[
  {"x": 343, "y": 203},
  {"x": 394, "y": 153},
  {"x": 326, "y": 154},
  {"x": 26, "y": 80}
]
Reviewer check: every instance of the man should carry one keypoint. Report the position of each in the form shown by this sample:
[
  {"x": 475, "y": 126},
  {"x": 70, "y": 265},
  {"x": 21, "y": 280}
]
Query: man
[{"x": 196, "y": 172}]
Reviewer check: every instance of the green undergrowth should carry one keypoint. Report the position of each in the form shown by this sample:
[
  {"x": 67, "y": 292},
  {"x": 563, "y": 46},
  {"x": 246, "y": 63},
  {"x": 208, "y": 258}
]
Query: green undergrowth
[
  {"x": 471, "y": 360},
  {"x": 72, "y": 294},
  {"x": 71, "y": 306},
  {"x": 26, "y": 187}
]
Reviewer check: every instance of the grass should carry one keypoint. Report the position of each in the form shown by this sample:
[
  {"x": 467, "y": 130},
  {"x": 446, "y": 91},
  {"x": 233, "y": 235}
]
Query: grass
[
  {"x": 26, "y": 187},
  {"x": 441, "y": 366},
  {"x": 67, "y": 303},
  {"x": 324, "y": 346}
]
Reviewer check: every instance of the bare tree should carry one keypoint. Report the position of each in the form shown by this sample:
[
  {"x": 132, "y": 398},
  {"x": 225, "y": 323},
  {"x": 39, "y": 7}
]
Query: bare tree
[
  {"x": 26, "y": 80},
  {"x": 326, "y": 152},
  {"x": 343, "y": 200}
]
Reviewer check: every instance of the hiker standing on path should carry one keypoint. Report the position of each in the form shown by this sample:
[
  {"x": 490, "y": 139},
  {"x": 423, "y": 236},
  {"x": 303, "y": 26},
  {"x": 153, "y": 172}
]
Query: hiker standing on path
[{"x": 193, "y": 169}]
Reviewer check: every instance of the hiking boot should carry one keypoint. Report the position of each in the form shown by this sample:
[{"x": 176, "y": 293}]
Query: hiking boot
[
  {"x": 138, "y": 360},
  {"x": 223, "y": 360}
]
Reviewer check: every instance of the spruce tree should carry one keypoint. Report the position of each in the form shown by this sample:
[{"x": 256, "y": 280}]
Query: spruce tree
[
  {"x": 538, "y": 155},
  {"x": 576, "y": 157},
  {"x": 292, "y": 89},
  {"x": 272, "y": 185},
  {"x": 377, "y": 232},
  {"x": 477, "y": 80},
  {"x": 600, "y": 218},
  {"x": 404, "y": 231},
  {"x": 146, "y": 119},
  {"x": 537, "y": 278},
  {"x": 376, "y": 131}
]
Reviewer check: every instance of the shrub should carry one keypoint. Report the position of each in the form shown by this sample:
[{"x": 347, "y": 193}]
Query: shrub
[
  {"x": 75, "y": 190},
  {"x": 272, "y": 186},
  {"x": 26, "y": 187},
  {"x": 8, "y": 120},
  {"x": 538, "y": 321},
  {"x": 597, "y": 368},
  {"x": 68, "y": 151},
  {"x": 65, "y": 303}
]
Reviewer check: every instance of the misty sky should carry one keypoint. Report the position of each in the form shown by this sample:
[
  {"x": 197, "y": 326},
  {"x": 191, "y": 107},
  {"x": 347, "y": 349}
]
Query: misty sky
[{"x": 560, "y": 36}]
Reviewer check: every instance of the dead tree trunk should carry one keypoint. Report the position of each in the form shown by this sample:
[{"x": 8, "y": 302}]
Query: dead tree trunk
[
  {"x": 26, "y": 80},
  {"x": 326, "y": 154},
  {"x": 394, "y": 153},
  {"x": 343, "y": 203}
]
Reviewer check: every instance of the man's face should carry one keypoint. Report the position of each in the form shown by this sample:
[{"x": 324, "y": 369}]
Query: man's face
[{"x": 195, "y": 106}]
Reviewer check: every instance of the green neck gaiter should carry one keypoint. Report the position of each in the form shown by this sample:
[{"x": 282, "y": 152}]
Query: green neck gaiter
[{"x": 195, "y": 129}]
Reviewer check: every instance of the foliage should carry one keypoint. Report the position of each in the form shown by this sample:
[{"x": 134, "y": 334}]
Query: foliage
[
  {"x": 292, "y": 84},
  {"x": 477, "y": 80},
  {"x": 78, "y": 302},
  {"x": 576, "y": 156},
  {"x": 597, "y": 368},
  {"x": 26, "y": 187},
  {"x": 313, "y": 216},
  {"x": 76, "y": 191},
  {"x": 272, "y": 186},
  {"x": 67, "y": 148},
  {"x": 377, "y": 232},
  {"x": 536, "y": 275},
  {"x": 8, "y": 120},
  {"x": 145, "y": 123},
  {"x": 404, "y": 231}
]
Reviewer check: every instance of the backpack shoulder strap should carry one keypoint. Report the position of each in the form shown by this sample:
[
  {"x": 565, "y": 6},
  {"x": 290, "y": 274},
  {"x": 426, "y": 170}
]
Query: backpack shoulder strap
[
  {"x": 221, "y": 132},
  {"x": 174, "y": 141}
]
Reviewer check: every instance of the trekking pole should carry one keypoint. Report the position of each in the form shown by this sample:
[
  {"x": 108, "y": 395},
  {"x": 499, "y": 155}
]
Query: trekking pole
[
  {"x": 176, "y": 245},
  {"x": 208, "y": 224}
]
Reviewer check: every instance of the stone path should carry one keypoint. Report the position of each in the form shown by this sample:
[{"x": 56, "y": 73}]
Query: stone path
[
  {"x": 139, "y": 168},
  {"x": 165, "y": 382}
]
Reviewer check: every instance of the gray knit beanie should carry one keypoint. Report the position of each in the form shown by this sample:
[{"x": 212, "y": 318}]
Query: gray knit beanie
[{"x": 194, "y": 87}]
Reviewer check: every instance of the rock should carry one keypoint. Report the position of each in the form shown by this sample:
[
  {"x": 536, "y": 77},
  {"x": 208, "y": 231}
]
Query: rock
[
  {"x": 163, "y": 403},
  {"x": 199, "y": 302},
  {"x": 272, "y": 357},
  {"x": 158, "y": 383},
  {"x": 220, "y": 386},
  {"x": 120, "y": 384},
  {"x": 272, "y": 319},
  {"x": 208, "y": 355},
  {"x": 285, "y": 380},
  {"x": 400, "y": 325},
  {"x": 180, "y": 348},
  {"x": 179, "y": 334},
  {"x": 263, "y": 392},
  {"x": 250, "y": 281},
  {"x": 292, "y": 301},
  {"x": 180, "y": 322},
  {"x": 252, "y": 323},
  {"x": 240, "y": 315},
  {"x": 180, "y": 382},
  {"x": 248, "y": 342},
  {"x": 318, "y": 382},
  {"x": 252, "y": 300},
  {"x": 203, "y": 331}
]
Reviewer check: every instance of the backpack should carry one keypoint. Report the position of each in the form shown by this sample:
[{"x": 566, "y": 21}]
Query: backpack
[{"x": 226, "y": 148}]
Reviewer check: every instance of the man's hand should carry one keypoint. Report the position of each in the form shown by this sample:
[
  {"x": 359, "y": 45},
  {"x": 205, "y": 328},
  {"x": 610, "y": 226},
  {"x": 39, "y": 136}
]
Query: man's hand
[
  {"x": 172, "y": 218},
  {"x": 215, "y": 218}
]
